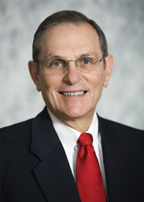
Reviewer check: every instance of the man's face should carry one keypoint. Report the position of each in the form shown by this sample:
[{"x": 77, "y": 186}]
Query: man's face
[{"x": 73, "y": 94}]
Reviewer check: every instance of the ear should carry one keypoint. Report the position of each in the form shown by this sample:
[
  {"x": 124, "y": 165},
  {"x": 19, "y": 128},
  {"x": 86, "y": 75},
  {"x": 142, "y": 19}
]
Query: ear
[
  {"x": 34, "y": 72},
  {"x": 108, "y": 69}
]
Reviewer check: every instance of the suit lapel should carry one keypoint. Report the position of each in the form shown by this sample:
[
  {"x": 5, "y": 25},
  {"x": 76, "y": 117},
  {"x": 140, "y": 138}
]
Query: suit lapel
[
  {"x": 53, "y": 172},
  {"x": 116, "y": 154}
]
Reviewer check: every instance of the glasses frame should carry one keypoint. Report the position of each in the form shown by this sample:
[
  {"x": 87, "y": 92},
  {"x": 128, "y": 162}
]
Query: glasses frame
[{"x": 66, "y": 62}]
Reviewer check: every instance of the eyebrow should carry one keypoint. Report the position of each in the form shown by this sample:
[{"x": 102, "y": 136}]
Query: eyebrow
[
  {"x": 50, "y": 56},
  {"x": 89, "y": 54}
]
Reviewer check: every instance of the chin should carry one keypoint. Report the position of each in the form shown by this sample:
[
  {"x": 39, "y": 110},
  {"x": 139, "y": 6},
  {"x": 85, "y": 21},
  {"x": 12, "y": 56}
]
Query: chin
[{"x": 74, "y": 114}]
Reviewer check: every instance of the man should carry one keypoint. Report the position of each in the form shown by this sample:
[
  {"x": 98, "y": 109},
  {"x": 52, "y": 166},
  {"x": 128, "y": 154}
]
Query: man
[{"x": 38, "y": 157}]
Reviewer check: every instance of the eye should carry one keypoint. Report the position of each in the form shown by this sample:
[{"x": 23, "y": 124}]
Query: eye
[
  {"x": 56, "y": 63},
  {"x": 86, "y": 61}
]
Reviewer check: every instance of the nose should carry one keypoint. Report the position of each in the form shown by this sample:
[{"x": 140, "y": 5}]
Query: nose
[{"x": 72, "y": 75}]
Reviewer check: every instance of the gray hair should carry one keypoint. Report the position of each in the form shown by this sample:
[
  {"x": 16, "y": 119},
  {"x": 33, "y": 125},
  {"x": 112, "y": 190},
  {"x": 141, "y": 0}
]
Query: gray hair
[{"x": 66, "y": 16}]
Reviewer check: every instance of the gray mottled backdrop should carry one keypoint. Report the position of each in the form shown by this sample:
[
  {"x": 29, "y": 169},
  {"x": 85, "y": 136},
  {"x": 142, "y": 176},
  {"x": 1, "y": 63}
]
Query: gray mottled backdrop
[{"x": 123, "y": 24}]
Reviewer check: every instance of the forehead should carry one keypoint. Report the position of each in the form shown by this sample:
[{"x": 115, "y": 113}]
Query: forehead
[{"x": 70, "y": 37}]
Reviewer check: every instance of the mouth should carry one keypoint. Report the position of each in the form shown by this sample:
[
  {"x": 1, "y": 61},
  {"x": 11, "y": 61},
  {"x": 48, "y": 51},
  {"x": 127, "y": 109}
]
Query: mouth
[{"x": 73, "y": 93}]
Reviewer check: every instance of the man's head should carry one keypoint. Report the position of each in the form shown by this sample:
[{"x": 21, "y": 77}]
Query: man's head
[
  {"x": 64, "y": 17},
  {"x": 71, "y": 89}
]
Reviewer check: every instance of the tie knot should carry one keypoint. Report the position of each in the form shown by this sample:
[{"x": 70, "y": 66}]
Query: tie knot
[{"x": 85, "y": 139}]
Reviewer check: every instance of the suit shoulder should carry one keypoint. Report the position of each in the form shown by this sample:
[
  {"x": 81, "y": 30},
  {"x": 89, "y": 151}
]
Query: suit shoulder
[
  {"x": 115, "y": 126},
  {"x": 15, "y": 131},
  {"x": 121, "y": 134},
  {"x": 14, "y": 142},
  {"x": 16, "y": 126}
]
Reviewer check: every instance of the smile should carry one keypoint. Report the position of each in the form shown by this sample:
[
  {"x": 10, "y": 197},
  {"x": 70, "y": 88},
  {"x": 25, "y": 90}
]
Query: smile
[{"x": 73, "y": 93}]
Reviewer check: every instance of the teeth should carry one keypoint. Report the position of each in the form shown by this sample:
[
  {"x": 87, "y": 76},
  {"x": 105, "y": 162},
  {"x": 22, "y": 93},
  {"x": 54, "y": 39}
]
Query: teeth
[{"x": 73, "y": 93}]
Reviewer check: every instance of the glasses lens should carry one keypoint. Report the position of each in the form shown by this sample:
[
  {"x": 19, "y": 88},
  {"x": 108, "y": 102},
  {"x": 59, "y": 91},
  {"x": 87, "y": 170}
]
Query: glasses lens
[
  {"x": 56, "y": 66},
  {"x": 86, "y": 64}
]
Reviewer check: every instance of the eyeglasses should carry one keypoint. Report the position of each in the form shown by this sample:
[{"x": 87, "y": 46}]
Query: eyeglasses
[{"x": 58, "y": 65}]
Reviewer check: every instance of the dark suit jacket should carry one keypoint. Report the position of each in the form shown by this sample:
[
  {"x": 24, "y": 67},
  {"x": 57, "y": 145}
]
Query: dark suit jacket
[{"x": 34, "y": 167}]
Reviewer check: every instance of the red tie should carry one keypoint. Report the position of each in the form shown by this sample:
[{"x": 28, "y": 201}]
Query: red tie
[{"x": 88, "y": 175}]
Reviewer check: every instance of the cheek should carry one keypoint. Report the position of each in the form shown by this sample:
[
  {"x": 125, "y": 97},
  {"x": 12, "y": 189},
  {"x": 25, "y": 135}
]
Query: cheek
[
  {"x": 97, "y": 86},
  {"x": 98, "y": 80},
  {"x": 47, "y": 82},
  {"x": 49, "y": 85}
]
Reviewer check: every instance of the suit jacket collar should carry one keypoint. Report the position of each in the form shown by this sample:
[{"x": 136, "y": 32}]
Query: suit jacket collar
[
  {"x": 111, "y": 139},
  {"x": 116, "y": 155},
  {"x": 53, "y": 173},
  {"x": 44, "y": 137}
]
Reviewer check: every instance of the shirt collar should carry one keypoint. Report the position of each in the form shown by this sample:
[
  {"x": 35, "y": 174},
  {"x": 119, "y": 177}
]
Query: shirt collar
[{"x": 69, "y": 136}]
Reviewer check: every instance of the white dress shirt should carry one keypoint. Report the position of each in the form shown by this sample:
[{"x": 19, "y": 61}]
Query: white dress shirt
[{"x": 69, "y": 136}]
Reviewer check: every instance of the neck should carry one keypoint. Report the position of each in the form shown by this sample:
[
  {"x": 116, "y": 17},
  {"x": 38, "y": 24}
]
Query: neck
[{"x": 80, "y": 124}]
